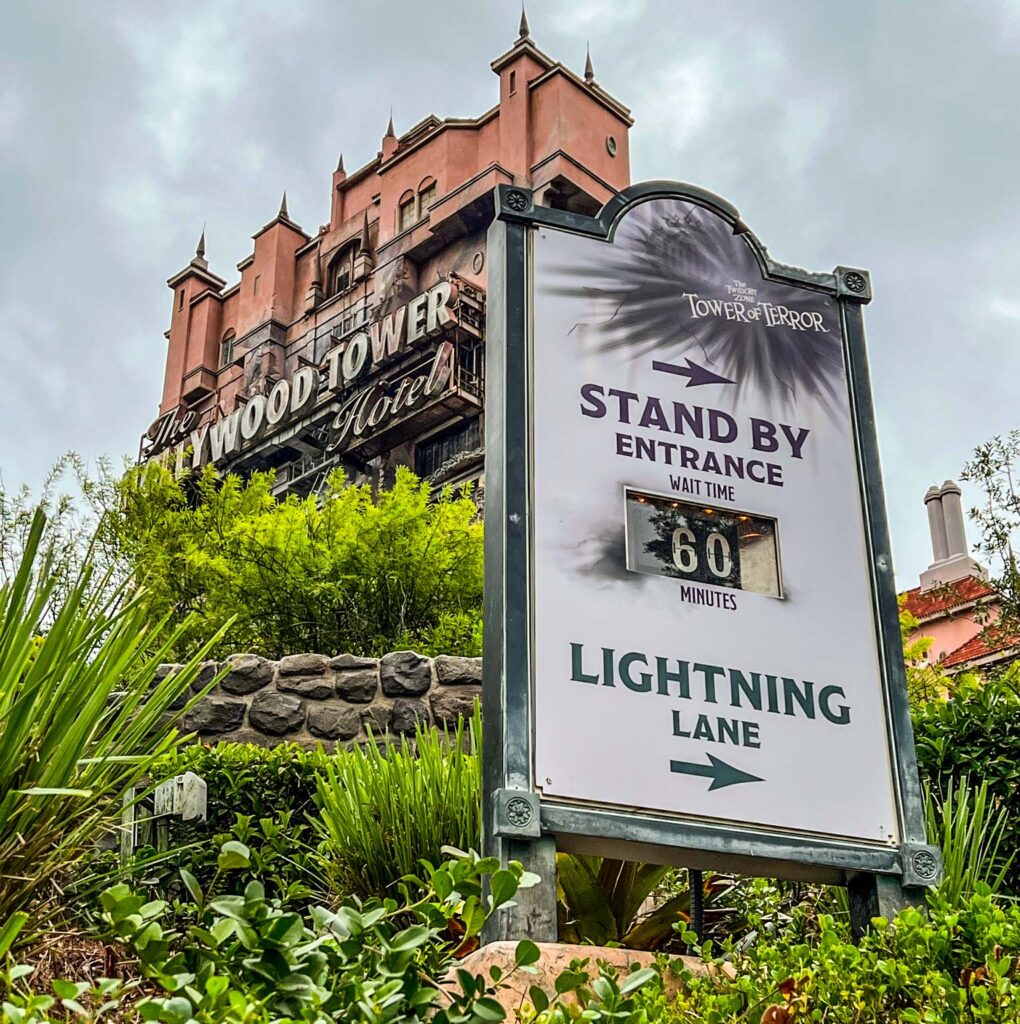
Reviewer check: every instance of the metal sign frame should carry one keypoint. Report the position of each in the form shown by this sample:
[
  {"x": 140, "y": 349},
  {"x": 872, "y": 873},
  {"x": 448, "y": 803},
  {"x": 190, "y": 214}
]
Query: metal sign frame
[{"x": 517, "y": 822}]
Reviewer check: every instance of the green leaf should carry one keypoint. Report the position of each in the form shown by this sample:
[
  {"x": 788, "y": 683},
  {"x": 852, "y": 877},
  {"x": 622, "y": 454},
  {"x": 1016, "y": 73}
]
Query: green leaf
[
  {"x": 526, "y": 953},
  {"x": 503, "y": 887},
  {"x": 233, "y": 855},
  {"x": 488, "y": 1009},
  {"x": 191, "y": 884},
  {"x": 637, "y": 979},
  {"x": 539, "y": 1000}
]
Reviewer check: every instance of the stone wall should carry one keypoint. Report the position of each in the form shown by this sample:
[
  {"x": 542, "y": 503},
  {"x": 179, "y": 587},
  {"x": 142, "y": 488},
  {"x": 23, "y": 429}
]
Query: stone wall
[{"x": 312, "y": 698}]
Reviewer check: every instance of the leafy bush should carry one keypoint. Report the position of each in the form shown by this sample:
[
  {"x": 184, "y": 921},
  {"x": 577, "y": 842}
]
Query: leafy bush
[
  {"x": 345, "y": 570},
  {"x": 242, "y": 778},
  {"x": 958, "y": 963},
  {"x": 80, "y": 720},
  {"x": 976, "y": 735},
  {"x": 382, "y": 812}
]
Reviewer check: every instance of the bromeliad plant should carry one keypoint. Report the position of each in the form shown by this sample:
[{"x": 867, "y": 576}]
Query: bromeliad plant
[{"x": 80, "y": 718}]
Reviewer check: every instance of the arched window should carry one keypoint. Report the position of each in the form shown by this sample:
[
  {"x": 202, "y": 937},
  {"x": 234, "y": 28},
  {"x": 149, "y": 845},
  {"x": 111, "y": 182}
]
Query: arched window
[
  {"x": 426, "y": 196},
  {"x": 407, "y": 212},
  {"x": 227, "y": 349},
  {"x": 341, "y": 269}
]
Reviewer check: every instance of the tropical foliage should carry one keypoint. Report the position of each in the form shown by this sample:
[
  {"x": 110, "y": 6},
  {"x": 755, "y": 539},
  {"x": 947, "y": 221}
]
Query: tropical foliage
[
  {"x": 345, "y": 570},
  {"x": 80, "y": 719}
]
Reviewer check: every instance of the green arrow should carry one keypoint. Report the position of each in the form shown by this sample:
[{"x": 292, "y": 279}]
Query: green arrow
[{"x": 721, "y": 773}]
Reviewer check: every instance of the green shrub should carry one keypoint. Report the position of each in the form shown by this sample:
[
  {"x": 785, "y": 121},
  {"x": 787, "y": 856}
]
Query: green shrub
[
  {"x": 383, "y": 812},
  {"x": 80, "y": 721},
  {"x": 243, "y": 778},
  {"x": 976, "y": 735},
  {"x": 347, "y": 570},
  {"x": 956, "y": 964}
]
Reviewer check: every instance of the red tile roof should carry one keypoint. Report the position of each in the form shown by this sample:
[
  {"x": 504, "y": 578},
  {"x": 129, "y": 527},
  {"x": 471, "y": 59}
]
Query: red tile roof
[
  {"x": 987, "y": 643},
  {"x": 944, "y": 597}
]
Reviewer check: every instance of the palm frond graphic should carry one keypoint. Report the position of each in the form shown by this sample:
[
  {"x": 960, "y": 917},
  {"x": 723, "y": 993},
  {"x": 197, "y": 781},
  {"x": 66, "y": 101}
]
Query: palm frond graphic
[{"x": 668, "y": 247}]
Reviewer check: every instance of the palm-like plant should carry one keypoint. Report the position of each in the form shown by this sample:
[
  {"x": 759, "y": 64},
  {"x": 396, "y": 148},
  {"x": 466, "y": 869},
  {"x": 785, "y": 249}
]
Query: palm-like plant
[
  {"x": 969, "y": 827},
  {"x": 668, "y": 247},
  {"x": 80, "y": 718}
]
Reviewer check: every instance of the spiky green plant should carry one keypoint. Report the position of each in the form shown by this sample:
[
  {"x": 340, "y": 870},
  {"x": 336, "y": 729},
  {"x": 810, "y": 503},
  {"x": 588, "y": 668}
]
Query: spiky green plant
[
  {"x": 80, "y": 718},
  {"x": 969, "y": 828},
  {"x": 382, "y": 812}
]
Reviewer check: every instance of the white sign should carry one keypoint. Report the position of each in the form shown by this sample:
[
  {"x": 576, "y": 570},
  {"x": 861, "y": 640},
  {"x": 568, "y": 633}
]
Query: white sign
[{"x": 704, "y": 638}]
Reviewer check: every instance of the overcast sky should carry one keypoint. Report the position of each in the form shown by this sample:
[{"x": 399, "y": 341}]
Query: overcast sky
[{"x": 878, "y": 134}]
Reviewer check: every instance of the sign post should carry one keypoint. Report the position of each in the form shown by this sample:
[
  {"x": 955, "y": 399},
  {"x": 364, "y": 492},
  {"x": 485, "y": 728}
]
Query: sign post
[{"x": 692, "y": 650}]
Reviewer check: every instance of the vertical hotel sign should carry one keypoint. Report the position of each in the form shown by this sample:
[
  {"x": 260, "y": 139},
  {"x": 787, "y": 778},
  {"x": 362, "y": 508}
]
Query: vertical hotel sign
[{"x": 692, "y": 647}]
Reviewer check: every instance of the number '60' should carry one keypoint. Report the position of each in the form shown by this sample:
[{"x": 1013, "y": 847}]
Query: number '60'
[{"x": 717, "y": 552}]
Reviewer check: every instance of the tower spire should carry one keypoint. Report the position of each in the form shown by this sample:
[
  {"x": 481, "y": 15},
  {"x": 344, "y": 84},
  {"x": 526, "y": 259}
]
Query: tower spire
[
  {"x": 589, "y": 70},
  {"x": 200, "y": 248},
  {"x": 524, "y": 32},
  {"x": 340, "y": 165},
  {"x": 390, "y": 132},
  {"x": 283, "y": 207}
]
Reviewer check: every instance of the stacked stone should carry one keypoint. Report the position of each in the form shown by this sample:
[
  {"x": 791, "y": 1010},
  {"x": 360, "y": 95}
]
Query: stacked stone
[{"x": 312, "y": 698}]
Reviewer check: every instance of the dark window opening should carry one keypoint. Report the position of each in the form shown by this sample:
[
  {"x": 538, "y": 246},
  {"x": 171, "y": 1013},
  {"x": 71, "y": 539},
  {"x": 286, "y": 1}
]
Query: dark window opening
[
  {"x": 433, "y": 454},
  {"x": 227, "y": 350},
  {"x": 513, "y": 82},
  {"x": 180, "y": 299}
]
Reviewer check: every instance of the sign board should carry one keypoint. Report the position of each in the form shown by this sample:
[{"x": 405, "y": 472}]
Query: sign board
[{"x": 692, "y": 641}]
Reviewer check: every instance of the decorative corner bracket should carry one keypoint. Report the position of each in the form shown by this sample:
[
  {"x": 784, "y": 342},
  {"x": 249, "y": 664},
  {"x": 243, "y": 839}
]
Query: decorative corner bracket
[
  {"x": 922, "y": 865},
  {"x": 513, "y": 201},
  {"x": 517, "y": 814},
  {"x": 853, "y": 284}
]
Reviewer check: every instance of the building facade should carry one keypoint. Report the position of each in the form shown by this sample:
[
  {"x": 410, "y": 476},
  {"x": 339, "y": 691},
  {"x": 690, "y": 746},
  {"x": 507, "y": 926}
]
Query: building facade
[
  {"x": 362, "y": 346},
  {"x": 955, "y": 606}
]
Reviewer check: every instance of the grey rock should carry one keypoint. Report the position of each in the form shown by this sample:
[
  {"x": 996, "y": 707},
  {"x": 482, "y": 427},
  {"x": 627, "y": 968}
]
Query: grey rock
[
  {"x": 304, "y": 665},
  {"x": 276, "y": 713},
  {"x": 358, "y": 685},
  {"x": 248, "y": 673},
  {"x": 346, "y": 661},
  {"x": 162, "y": 671},
  {"x": 205, "y": 676},
  {"x": 214, "y": 715},
  {"x": 452, "y": 671},
  {"x": 330, "y": 722},
  {"x": 312, "y": 687},
  {"x": 405, "y": 674},
  {"x": 377, "y": 718},
  {"x": 407, "y": 714},
  {"x": 450, "y": 705}
]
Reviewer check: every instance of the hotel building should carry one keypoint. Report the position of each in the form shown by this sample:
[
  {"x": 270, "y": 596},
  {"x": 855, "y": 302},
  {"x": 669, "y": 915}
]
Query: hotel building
[{"x": 361, "y": 345}]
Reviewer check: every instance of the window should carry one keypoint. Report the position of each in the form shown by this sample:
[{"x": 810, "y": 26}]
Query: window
[
  {"x": 341, "y": 270},
  {"x": 431, "y": 455},
  {"x": 426, "y": 197},
  {"x": 513, "y": 82},
  {"x": 180, "y": 299},
  {"x": 227, "y": 349},
  {"x": 407, "y": 212}
]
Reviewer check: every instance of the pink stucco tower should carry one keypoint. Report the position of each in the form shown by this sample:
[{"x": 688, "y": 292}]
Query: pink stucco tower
[{"x": 412, "y": 217}]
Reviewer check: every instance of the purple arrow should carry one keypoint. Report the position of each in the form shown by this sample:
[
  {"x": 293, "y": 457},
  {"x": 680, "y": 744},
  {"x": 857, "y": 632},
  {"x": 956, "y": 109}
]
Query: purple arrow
[{"x": 696, "y": 374}]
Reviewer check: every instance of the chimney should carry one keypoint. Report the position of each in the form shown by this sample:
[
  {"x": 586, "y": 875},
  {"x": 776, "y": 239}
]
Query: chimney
[{"x": 948, "y": 538}]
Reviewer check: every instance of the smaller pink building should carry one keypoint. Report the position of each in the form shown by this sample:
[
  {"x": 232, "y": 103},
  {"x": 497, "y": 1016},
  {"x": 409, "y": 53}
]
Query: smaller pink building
[{"x": 955, "y": 605}]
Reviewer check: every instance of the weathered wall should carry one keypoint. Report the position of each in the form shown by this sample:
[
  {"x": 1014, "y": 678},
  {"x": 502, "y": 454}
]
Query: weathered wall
[{"x": 311, "y": 698}]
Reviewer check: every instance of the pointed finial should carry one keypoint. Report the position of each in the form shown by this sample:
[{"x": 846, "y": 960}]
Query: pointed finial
[
  {"x": 364, "y": 233},
  {"x": 589, "y": 70},
  {"x": 340, "y": 165},
  {"x": 390, "y": 132},
  {"x": 524, "y": 32},
  {"x": 283, "y": 207},
  {"x": 200, "y": 248}
]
